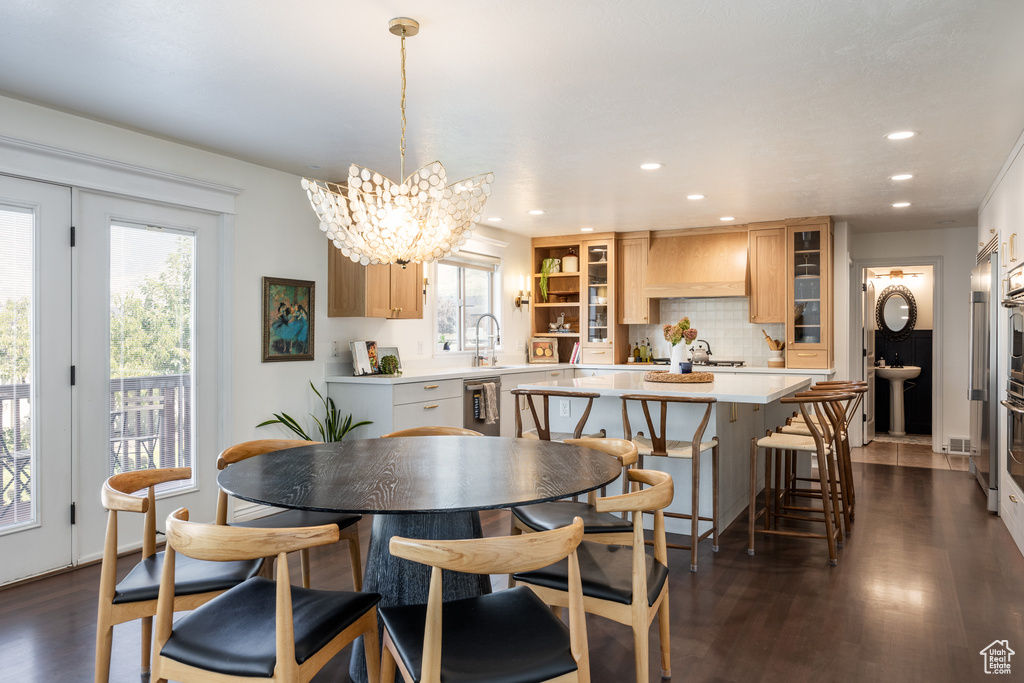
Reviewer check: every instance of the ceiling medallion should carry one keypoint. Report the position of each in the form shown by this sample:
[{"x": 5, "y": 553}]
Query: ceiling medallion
[{"x": 375, "y": 220}]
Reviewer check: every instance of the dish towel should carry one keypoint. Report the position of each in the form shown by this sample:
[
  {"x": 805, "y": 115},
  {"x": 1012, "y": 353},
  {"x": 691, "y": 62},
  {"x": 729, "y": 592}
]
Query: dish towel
[{"x": 490, "y": 402}]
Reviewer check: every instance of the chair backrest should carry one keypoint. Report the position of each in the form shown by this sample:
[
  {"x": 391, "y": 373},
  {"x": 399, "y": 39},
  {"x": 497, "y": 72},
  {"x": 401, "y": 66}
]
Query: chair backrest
[
  {"x": 824, "y": 405},
  {"x": 433, "y": 431},
  {"x": 226, "y": 543},
  {"x": 544, "y": 426},
  {"x": 857, "y": 387},
  {"x": 621, "y": 449},
  {"x": 243, "y": 451},
  {"x": 659, "y": 441},
  {"x": 497, "y": 555}
]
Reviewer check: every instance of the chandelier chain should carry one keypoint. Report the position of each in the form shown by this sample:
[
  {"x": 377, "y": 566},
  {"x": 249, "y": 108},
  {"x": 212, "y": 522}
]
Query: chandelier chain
[{"x": 401, "y": 177}]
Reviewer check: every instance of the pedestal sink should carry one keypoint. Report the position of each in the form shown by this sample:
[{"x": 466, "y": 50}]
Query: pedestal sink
[{"x": 896, "y": 376}]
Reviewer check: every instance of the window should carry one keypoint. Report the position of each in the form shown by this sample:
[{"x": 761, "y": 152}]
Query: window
[{"x": 465, "y": 290}]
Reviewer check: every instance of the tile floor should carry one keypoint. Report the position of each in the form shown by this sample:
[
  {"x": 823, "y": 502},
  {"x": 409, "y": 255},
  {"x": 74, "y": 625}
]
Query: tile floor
[{"x": 903, "y": 453}]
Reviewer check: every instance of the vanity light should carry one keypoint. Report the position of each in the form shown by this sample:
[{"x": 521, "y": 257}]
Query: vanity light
[
  {"x": 651, "y": 166},
  {"x": 727, "y": 218},
  {"x": 536, "y": 212},
  {"x": 901, "y": 205},
  {"x": 901, "y": 176},
  {"x": 901, "y": 135},
  {"x": 523, "y": 298},
  {"x": 695, "y": 196}
]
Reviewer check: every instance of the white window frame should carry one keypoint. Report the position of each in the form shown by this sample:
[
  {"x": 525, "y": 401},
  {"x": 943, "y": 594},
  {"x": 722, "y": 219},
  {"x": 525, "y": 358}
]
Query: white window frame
[{"x": 466, "y": 260}]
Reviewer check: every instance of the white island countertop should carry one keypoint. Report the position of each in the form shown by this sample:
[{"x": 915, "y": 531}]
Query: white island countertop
[{"x": 761, "y": 389}]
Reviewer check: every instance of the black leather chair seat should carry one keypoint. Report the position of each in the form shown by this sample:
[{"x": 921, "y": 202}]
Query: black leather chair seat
[
  {"x": 294, "y": 518},
  {"x": 234, "y": 633},
  {"x": 606, "y": 572},
  {"x": 506, "y": 637},
  {"x": 190, "y": 577},
  {"x": 548, "y": 516}
]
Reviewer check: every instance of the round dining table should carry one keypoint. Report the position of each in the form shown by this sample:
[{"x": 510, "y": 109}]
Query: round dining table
[{"x": 418, "y": 487}]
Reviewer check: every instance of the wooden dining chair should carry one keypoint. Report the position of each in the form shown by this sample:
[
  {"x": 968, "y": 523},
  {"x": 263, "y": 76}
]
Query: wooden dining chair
[
  {"x": 508, "y": 635},
  {"x": 347, "y": 523},
  {"x": 819, "y": 444},
  {"x": 630, "y": 588},
  {"x": 135, "y": 596},
  {"x": 657, "y": 444},
  {"x": 433, "y": 431},
  {"x": 542, "y": 417},
  {"x": 262, "y": 629}
]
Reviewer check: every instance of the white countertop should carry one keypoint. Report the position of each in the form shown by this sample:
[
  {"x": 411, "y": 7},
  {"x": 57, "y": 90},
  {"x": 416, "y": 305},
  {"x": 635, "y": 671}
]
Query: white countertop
[{"x": 762, "y": 389}]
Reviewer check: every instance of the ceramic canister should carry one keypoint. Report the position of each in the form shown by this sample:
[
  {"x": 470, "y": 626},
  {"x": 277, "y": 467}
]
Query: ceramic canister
[{"x": 570, "y": 263}]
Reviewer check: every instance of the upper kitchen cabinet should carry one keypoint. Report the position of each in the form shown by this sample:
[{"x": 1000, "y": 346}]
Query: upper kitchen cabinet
[
  {"x": 635, "y": 307},
  {"x": 381, "y": 291},
  {"x": 556, "y": 292},
  {"x": 703, "y": 262},
  {"x": 602, "y": 337},
  {"x": 809, "y": 342},
  {"x": 768, "y": 258}
]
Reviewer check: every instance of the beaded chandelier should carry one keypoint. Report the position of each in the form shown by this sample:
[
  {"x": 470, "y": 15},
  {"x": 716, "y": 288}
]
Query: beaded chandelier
[{"x": 375, "y": 220}]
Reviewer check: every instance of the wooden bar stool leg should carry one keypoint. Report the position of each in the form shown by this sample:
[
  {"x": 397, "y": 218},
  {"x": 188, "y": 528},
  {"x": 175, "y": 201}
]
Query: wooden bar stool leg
[
  {"x": 695, "y": 509},
  {"x": 769, "y": 513},
  {"x": 827, "y": 507},
  {"x": 779, "y": 490},
  {"x": 751, "y": 516}
]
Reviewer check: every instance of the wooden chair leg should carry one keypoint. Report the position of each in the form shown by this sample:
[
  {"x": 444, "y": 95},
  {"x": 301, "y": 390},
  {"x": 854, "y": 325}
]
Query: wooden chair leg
[
  {"x": 104, "y": 643},
  {"x": 753, "y": 496},
  {"x": 355, "y": 559},
  {"x": 641, "y": 643},
  {"x": 778, "y": 484},
  {"x": 664, "y": 638},
  {"x": 371, "y": 649},
  {"x": 694, "y": 509},
  {"x": 769, "y": 454},
  {"x": 146, "y": 624},
  {"x": 388, "y": 665}
]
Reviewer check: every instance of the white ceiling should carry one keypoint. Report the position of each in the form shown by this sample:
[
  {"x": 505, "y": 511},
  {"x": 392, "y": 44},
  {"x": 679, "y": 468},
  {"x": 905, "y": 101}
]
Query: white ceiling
[{"x": 771, "y": 108}]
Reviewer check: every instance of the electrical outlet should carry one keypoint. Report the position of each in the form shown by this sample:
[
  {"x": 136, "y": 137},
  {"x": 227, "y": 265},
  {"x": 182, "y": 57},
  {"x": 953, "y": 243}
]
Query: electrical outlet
[
  {"x": 334, "y": 349},
  {"x": 419, "y": 348},
  {"x": 563, "y": 407}
]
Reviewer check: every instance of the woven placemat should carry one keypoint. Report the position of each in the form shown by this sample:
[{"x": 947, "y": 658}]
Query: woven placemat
[{"x": 691, "y": 377}]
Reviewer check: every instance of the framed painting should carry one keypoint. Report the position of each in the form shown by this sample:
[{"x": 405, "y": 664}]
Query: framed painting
[
  {"x": 288, "y": 307},
  {"x": 543, "y": 350}
]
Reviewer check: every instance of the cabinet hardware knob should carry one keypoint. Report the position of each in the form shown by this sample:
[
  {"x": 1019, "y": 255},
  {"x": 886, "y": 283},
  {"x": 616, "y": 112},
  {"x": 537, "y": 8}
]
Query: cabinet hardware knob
[
  {"x": 433, "y": 405},
  {"x": 432, "y": 386},
  {"x": 1014, "y": 498}
]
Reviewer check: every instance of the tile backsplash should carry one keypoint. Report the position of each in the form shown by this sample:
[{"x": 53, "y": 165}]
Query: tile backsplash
[{"x": 723, "y": 323}]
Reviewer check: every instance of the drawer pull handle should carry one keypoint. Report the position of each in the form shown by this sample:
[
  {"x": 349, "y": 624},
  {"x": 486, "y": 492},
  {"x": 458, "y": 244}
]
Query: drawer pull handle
[
  {"x": 555, "y": 374},
  {"x": 807, "y": 355},
  {"x": 1014, "y": 498},
  {"x": 432, "y": 386},
  {"x": 597, "y": 353},
  {"x": 433, "y": 405}
]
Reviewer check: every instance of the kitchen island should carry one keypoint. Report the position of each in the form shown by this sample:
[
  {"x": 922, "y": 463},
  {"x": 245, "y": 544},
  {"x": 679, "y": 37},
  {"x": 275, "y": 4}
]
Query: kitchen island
[{"x": 747, "y": 406}]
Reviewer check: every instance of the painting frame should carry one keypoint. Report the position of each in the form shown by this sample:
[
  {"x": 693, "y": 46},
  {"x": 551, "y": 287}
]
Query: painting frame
[
  {"x": 542, "y": 350},
  {"x": 288, "y": 319}
]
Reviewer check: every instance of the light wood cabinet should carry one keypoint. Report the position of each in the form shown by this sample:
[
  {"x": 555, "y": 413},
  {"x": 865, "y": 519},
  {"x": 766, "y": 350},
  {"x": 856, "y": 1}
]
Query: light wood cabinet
[
  {"x": 381, "y": 291},
  {"x": 809, "y": 325},
  {"x": 703, "y": 262},
  {"x": 635, "y": 308},
  {"x": 767, "y": 258}
]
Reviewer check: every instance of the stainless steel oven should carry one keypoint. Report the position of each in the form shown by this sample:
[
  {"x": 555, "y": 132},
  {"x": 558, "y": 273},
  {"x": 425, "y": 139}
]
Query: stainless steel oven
[
  {"x": 1014, "y": 405},
  {"x": 1016, "y": 343}
]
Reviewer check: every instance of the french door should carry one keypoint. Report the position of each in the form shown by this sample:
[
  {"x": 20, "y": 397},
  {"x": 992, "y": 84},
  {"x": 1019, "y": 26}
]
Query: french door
[{"x": 35, "y": 378}]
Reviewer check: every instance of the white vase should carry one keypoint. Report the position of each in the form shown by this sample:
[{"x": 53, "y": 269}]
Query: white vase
[{"x": 677, "y": 355}]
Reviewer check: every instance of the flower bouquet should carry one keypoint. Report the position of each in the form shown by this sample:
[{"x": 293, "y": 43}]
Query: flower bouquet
[{"x": 674, "y": 334}]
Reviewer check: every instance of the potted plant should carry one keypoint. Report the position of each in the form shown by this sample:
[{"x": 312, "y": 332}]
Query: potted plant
[
  {"x": 333, "y": 428},
  {"x": 674, "y": 334}
]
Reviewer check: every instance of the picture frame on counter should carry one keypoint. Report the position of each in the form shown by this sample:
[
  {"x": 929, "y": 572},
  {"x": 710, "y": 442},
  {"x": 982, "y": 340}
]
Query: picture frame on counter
[
  {"x": 543, "y": 350},
  {"x": 288, "y": 323},
  {"x": 385, "y": 351},
  {"x": 365, "y": 358}
]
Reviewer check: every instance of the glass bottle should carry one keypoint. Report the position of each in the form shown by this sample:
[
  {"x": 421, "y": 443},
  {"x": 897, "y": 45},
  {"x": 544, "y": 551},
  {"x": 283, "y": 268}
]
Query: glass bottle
[
  {"x": 636, "y": 352},
  {"x": 629, "y": 351}
]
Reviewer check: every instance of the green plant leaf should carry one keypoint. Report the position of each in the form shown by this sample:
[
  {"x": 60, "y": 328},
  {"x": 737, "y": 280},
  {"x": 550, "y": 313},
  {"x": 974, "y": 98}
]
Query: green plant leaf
[{"x": 332, "y": 428}]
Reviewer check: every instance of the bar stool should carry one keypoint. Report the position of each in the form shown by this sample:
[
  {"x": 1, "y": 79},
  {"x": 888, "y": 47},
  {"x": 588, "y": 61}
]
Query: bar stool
[
  {"x": 544, "y": 426},
  {"x": 818, "y": 443},
  {"x": 658, "y": 445}
]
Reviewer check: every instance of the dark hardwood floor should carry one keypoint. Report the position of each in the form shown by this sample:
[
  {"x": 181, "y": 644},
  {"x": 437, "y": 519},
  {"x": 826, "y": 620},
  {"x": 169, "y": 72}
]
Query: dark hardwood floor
[{"x": 926, "y": 581}]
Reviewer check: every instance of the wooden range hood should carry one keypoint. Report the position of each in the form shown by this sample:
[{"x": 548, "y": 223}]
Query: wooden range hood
[{"x": 702, "y": 262}]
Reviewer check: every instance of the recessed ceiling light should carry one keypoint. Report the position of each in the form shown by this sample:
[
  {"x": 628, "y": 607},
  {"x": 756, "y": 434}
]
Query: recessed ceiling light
[
  {"x": 695, "y": 196},
  {"x": 494, "y": 219},
  {"x": 586, "y": 230},
  {"x": 901, "y": 176},
  {"x": 727, "y": 218},
  {"x": 536, "y": 212},
  {"x": 651, "y": 166},
  {"x": 901, "y": 135},
  {"x": 901, "y": 205}
]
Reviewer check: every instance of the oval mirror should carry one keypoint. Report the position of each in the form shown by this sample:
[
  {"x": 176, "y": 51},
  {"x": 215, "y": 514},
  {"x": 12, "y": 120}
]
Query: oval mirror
[{"x": 896, "y": 312}]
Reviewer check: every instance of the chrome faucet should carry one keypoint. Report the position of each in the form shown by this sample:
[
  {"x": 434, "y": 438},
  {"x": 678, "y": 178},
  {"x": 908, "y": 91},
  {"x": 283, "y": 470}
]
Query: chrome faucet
[{"x": 494, "y": 341}]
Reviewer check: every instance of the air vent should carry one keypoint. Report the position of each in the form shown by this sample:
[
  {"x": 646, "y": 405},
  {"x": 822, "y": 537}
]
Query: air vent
[{"x": 959, "y": 444}]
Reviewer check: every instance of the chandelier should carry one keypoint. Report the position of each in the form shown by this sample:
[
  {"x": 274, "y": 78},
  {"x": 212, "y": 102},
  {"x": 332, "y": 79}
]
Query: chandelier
[{"x": 376, "y": 220}]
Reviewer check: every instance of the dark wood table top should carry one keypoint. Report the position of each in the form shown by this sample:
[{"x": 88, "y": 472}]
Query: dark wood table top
[{"x": 419, "y": 474}]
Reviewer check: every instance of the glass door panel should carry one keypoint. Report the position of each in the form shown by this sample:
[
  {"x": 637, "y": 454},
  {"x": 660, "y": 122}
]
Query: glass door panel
[
  {"x": 35, "y": 387},
  {"x": 807, "y": 287},
  {"x": 597, "y": 293}
]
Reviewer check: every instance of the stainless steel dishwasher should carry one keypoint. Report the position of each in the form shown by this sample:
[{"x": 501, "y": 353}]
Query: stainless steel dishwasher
[{"x": 473, "y": 407}]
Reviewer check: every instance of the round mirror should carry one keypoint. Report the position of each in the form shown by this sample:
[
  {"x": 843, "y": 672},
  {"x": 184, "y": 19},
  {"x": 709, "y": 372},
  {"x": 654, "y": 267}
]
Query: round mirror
[{"x": 896, "y": 312}]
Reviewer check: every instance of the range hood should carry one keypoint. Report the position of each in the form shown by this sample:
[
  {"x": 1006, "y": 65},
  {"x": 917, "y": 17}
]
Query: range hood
[{"x": 697, "y": 263}]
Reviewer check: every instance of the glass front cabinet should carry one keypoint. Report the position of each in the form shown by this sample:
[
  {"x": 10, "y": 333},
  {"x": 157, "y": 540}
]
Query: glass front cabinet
[{"x": 809, "y": 290}]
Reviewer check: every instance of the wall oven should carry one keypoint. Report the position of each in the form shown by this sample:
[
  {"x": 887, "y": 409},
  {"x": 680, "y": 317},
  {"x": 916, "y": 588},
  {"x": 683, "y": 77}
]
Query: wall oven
[{"x": 1014, "y": 403}]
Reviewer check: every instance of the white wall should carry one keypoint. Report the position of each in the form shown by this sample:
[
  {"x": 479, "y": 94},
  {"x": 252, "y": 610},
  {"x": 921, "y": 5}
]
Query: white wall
[
  {"x": 955, "y": 249},
  {"x": 275, "y": 234}
]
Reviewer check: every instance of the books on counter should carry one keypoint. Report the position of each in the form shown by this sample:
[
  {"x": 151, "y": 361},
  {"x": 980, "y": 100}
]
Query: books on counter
[
  {"x": 577, "y": 353},
  {"x": 364, "y": 358}
]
